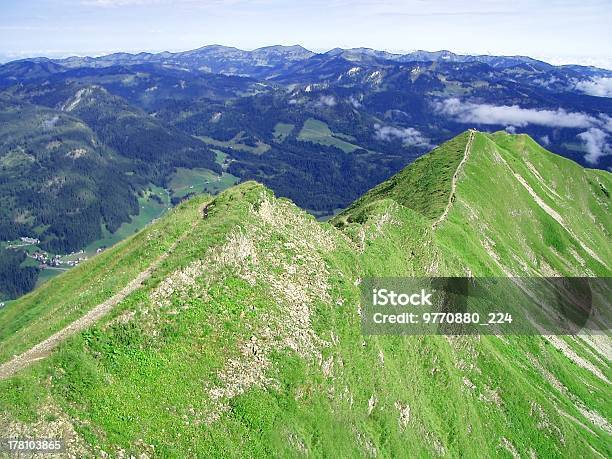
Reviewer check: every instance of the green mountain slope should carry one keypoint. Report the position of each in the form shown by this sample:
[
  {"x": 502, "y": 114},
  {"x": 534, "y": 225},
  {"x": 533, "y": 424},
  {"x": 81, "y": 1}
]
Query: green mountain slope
[
  {"x": 239, "y": 334},
  {"x": 57, "y": 179},
  {"x": 136, "y": 135},
  {"x": 74, "y": 171}
]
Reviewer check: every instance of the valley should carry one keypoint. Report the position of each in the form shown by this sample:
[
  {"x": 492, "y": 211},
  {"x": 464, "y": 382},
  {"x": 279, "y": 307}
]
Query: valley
[{"x": 83, "y": 138}]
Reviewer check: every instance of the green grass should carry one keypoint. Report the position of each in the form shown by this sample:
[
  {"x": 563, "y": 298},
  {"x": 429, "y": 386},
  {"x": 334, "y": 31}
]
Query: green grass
[
  {"x": 221, "y": 157},
  {"x": 282, "y": 131},
  {"x": 284, "y": 278},
  {"x": 59, "y": 301},
  {"x": 236, "y": 144},
  {"x": 423, "y": 186},
  {"x": 518, "y": 224},
  {"x": 318, "y": 132},
  {"x": 186, "y": 181},
  {"x": 47, "y": 274},
  {"x": 149, "y": 209}
]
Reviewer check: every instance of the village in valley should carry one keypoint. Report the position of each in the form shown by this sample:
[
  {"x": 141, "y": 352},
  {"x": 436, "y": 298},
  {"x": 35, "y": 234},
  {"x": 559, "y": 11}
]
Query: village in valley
[{"x": 45, "y": 260}]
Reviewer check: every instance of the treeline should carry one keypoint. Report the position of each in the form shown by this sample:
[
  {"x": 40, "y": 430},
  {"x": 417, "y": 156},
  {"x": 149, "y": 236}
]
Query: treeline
[
  {"x": 15, "y": 280},
  {"x": 65, "y": 203},
  {"x": 316, "y": 177}
]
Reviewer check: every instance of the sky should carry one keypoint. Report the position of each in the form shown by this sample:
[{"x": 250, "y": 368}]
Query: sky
[{"x": 557, "y": 31}]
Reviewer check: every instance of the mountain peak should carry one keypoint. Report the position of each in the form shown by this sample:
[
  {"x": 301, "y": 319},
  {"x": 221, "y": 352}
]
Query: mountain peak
[{"x": 461, "y": 182}]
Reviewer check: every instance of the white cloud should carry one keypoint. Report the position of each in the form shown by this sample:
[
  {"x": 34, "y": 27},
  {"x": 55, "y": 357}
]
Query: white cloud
[
  {"x": 408, "y": 136},
  {"x": 513, "y": 115},
  {"x": 511, "y": 129},
  {"x": 545, "y": 140},
  {"x": 546, "y": 83},
  {"x": 594, "y": 138},
  {"x": 606, "y": 121},
  {"x": 595, "y": 142},
  {"x": 598, "y": 86},
  {"x": 327, "y": 101},
  {"x": 354, "y": 102}
]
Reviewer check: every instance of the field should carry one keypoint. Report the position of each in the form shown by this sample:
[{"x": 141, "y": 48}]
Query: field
[
  {"x": 282, "y": 131},
  {"x": 237, "y": 144},
  {"x": 318, "y": 132},
  {"x": 185, "y": 181},
  {"x": 221, "y": 158}
]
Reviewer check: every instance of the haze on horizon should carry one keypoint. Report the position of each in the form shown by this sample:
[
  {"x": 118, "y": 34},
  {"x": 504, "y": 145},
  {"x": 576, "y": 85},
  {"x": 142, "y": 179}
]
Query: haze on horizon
[{"x": 557, "y": 31}]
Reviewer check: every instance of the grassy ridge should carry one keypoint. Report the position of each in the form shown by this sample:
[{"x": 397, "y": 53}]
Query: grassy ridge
[
  {"x": 247, "y": 342},
  {"x": 62, "y": 299},
  {"x": 423, "y": 186}
]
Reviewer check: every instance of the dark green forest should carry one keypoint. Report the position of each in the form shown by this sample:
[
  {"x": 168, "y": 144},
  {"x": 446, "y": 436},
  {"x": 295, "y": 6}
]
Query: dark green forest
[{"x": 15, "y": 280}]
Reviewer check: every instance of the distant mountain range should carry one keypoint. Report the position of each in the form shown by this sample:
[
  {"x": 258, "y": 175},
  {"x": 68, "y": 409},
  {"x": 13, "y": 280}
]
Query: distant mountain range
[{"x": 234, "y": 61}]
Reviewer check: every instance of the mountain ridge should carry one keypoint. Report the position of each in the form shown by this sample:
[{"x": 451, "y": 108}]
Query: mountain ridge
[
  {"x": 246, "y": 340},
  {"x": 301, "y": 53}
]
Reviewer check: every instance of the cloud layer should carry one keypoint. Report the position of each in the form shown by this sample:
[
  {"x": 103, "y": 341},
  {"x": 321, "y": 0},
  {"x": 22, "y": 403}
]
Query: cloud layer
[
  {"x": 594, "y": 138},
  {"x": 598, "y": 86},
  {"x": 408, "y": 136},
  {"x": 512, "y": 115}
]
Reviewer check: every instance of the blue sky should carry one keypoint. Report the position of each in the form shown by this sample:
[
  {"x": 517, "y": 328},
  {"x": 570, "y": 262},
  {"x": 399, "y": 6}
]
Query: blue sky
[{"x": 560, "y": 31}]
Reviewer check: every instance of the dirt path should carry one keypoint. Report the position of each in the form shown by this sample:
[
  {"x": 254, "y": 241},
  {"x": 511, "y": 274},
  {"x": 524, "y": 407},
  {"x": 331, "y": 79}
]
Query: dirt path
[
  {"x": 44, "y": 348},
  {"x": 451, "y": 197}
]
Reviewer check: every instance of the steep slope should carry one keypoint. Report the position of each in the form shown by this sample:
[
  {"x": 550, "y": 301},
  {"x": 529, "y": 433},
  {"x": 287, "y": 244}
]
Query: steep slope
[
  {"x": 514, "y": 207},
  {"x": 56, "y": 177},
  {"x": 533, "y": 213},
  {"x": 136, "y": 135},
  {"x": 245, "y": 339}
]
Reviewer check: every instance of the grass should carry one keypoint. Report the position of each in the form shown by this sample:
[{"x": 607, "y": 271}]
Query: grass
[
  {"x": 221, "y": 158},
  {"x": 423, "y": 186},
  {"x": 146, "y": 379},
  {"x": 318, "y": 132},
  {"x": 150, "y": 209},
  {"x": 236, "y": 144},
  {"x": 47, "y": 274},
  {"x": 282, "y": 131},
  {"x": 59, "y": 301},
  {"x": 522, "y": 224},
  {"x": 153, "y": 204},
  {"x": 186, "y": 181}
]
